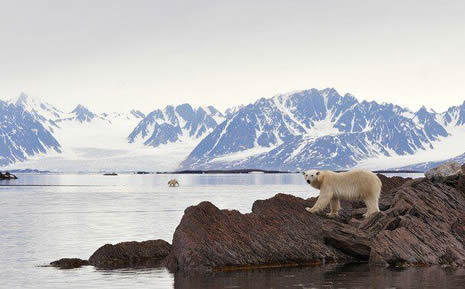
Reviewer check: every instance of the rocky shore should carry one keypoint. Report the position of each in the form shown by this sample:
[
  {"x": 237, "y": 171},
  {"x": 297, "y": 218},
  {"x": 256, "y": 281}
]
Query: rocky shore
[{"x": 422, "y": 222}]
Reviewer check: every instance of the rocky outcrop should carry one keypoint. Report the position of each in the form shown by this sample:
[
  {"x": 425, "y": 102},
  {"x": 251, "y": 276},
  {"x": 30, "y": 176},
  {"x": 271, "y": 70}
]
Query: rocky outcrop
[
  {"x": 278, "y": 232},
  {"x": 421, "y": 223},
  {"x": 440, "y": 173},
  {"x": 130, "y": 254},
  {"x": 69, "y": 263}
]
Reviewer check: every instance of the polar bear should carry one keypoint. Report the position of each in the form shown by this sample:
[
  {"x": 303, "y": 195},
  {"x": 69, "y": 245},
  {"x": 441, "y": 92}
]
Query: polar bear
[
  {"x": 352, "y": 185},
  {"x": 173, "y": 183}
]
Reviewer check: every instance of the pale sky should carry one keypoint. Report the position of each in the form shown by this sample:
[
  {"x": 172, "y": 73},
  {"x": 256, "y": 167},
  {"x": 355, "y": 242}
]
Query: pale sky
[{"x": 116, "y": 55}]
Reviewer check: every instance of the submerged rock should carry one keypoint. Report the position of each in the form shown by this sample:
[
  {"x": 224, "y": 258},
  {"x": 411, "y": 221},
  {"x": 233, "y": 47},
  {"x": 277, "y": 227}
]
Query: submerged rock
[
  {"x": 130, "y": 254},
  {"x": 440, "y": 173},
  {"x": 69, "y": 263}
]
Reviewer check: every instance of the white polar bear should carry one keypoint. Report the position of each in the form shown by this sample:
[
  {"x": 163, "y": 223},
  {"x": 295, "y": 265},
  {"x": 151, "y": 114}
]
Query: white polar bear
[
  {"x": 351, "y": 186},
  {"x": 173, "y": 183}
]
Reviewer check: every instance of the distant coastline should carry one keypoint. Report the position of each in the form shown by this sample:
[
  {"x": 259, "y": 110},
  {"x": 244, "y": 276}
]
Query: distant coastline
[{"x": 196, "y": 172}]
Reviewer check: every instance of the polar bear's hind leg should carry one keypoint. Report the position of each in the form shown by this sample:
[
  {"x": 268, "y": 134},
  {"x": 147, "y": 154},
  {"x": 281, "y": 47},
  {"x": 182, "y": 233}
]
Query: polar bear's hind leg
[{"x": 372, "y": 206}]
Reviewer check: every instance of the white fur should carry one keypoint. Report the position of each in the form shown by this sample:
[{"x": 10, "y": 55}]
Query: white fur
[
  {"x": 351, "y": 186},
  {"x": 173, "y": 183}
]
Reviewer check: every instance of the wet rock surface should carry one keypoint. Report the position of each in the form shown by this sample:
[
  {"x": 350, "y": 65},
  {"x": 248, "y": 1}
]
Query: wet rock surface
[{"x": 131, "y": 254}]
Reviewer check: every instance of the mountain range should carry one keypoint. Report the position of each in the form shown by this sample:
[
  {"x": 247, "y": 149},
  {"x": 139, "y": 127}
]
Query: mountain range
[
  {"x": 294, "y": 131},
  {"x": 322, "y": 129}
]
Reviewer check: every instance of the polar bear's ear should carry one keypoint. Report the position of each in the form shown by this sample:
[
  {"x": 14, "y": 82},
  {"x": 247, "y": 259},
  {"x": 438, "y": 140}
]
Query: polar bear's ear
[{"x": 317, "y": 173}]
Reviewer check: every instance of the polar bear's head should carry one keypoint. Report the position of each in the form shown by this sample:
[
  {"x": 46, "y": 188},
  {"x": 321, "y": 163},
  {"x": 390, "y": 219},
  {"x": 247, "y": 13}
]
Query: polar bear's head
[{"x": 311, "y": 177}]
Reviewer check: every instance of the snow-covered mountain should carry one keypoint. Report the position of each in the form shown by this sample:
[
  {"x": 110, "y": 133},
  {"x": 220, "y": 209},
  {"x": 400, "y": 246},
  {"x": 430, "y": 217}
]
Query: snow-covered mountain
[
  {"x": 43, "y": 112},
  {"x": 306, "y": 129},
  {"x": 322, "y": 129},
  {"x": 23, "y": 133},
  {"x": 176, "y": 124},
  {"x": 84, "y": 140}
]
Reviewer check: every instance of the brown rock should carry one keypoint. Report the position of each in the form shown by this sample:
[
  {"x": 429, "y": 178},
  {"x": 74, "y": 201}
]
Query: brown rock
[
  {"x": 419, "y": 224},
  {"x": 278, "y": 232},
  {"x": 348, "y": 239},
  {"x": 131, "y": 254},
  {"x": 7, "y": 176},
  {"x": 420, "y": 232},
  {"x": 69, "y": 263},
  {"x": 391, "y": 183}
]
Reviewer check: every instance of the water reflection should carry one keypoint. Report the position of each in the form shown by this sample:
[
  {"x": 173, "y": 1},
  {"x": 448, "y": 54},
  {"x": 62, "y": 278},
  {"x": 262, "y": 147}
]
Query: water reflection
[{"x": 328, "y": 276}]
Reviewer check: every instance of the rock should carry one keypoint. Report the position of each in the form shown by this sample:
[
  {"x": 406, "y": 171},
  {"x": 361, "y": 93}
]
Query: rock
[
  {"x": 7, "y": 176},
  {"x": 131, "y": 254},
  {"x": 348, "y": 239},
  {"x": 421, "y": 223},
  {"x": 440, "y": 173},
  {"x": 388, "y": 189},
  {"x": 419, "y": 229},
  {"x": 391, "y": 183},
  {"x": 69, "y": 263},
  {"x": 278, "y": 232}
]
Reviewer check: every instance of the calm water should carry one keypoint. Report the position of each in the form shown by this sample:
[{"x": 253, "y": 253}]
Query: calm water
[{"x": 47, "y": 217}]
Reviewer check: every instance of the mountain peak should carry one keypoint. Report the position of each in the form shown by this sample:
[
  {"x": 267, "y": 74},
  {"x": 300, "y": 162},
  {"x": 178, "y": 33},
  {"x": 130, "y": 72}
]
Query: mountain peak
[
  {"x": 137, "y": 113},
  {"x": 25, "y": 101},
  {"x": 80, "y": 107},
  {"x": 22, "y": 98},
  {"x": 83, "y": 114},
  {"x": 329, "y": 91}
]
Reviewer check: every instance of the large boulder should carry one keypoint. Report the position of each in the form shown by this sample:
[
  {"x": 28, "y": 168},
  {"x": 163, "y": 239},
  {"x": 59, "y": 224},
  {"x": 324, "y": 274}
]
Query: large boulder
[
  {"x": 130, "y": 254},
  {"x": 442, "y": 172},
  {"x": 421, "y": 223},
  {"x": 278, "y": 232}
]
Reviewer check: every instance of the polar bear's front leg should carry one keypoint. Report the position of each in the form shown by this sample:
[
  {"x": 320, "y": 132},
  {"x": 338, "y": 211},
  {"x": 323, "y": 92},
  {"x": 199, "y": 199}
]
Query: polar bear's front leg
[{"x": 322, "y": 202}]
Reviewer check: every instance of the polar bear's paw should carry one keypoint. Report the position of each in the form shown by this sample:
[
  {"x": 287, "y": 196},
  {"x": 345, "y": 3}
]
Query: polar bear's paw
[
  {"x": 332, "y": 215},
  {"x": 311, "y": 210},
  {"x": 367, "y": 215}
]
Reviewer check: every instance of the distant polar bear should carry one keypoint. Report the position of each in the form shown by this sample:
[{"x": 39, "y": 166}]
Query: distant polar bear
[
  {"x": 351, "y": 186},
  {"x": 173, "y": 183}
]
